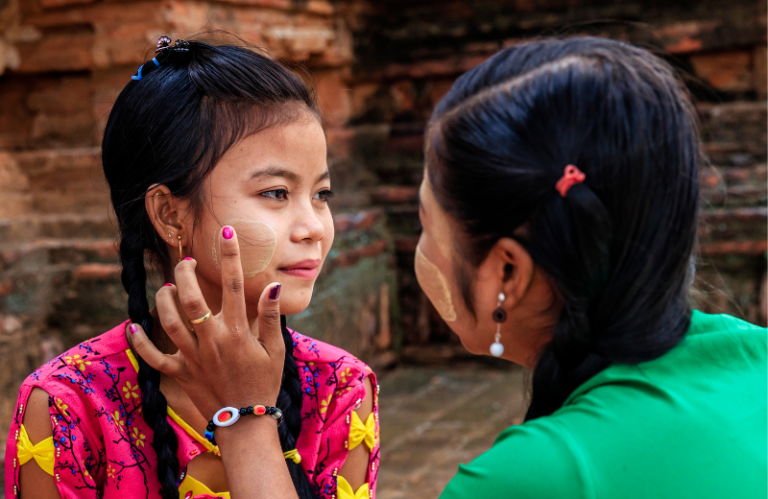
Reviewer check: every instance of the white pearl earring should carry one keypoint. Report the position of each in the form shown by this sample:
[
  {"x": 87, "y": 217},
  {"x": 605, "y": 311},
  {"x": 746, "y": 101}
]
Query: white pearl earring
[{"x": 499, "y": 316}]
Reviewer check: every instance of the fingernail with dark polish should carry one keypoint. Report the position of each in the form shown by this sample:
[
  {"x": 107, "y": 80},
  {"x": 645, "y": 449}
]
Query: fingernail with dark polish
[
  {"x": 227, "y": 232},
  {"x": 133, "y": 329},
  {"x": 274, "y": 293},
  {"x": 188, "y": 258}
]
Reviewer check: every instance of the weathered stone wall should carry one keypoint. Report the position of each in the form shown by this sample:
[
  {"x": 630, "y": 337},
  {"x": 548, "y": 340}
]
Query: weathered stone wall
[{"x": 379, "y": 67}]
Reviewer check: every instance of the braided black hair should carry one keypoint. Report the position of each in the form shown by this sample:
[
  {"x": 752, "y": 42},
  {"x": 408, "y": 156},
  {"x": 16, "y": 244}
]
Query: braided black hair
[
  {"x": 171, "y": 125},
  {"x": 618, "y": 247}
]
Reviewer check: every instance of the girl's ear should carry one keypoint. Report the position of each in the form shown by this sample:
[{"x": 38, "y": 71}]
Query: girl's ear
[
  {"x": 162, "y": 208},
  {"x": 514, "y": 270}
]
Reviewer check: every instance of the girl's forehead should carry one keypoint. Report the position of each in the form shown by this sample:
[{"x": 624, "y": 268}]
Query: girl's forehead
[{"x": 296, "y": 151}]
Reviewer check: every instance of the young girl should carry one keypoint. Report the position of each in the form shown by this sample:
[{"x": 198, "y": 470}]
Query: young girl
[
  {"x": 216, "y": 159},
  {"x": 559, "y": 208}
]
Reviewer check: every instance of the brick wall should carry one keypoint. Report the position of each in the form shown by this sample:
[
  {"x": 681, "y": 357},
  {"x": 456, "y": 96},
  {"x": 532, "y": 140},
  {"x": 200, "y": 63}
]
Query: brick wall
[{"x": 379, "y": 68}]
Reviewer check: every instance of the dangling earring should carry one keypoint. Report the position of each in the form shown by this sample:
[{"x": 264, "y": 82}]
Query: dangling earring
[
  {"x": 499, "y": 316},
  {"x": 181, "y": 251}
]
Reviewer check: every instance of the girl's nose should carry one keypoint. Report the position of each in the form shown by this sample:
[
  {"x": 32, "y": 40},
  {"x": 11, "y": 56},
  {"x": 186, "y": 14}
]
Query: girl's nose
[{"x": 308, "y": 226}]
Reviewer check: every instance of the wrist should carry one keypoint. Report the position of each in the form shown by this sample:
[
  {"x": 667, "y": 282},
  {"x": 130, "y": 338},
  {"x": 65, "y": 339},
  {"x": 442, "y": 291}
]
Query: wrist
[{"x": 246, "y": 431}]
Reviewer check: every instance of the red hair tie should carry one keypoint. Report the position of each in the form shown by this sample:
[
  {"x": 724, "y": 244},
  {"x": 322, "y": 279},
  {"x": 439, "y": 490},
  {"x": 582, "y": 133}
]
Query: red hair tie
[{"x": 571, "y": 177}]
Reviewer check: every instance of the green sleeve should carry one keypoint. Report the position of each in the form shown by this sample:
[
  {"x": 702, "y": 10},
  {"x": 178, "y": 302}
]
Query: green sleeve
[{"x": 536, "y": 460}]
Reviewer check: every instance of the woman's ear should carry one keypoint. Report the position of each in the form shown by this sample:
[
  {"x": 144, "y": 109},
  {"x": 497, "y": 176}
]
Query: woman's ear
[
  {"x": 163, "y": 212},
  {"x": 515, "y": 269}
]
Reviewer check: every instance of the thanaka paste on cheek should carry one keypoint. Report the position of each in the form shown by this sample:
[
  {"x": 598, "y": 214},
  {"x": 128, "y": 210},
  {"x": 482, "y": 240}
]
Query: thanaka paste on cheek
[
  {"x": 435, "y": 286},
  {"x": 257, "y": 242}
]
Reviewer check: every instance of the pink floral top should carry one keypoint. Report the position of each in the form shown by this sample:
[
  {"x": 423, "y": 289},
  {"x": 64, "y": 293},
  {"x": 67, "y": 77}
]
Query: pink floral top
[{"x": 102, "y": 446}]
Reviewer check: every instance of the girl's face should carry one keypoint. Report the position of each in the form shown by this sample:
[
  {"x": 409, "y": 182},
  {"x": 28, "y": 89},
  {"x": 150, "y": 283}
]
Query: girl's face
[{"x": 273, "y": 188}]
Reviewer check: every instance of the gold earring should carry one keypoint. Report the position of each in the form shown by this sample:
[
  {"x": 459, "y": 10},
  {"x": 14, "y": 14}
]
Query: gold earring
[{"x": 181, "y": 251}]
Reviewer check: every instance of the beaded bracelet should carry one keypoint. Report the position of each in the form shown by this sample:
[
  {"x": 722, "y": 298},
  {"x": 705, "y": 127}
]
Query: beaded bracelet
[{"x": 229, "y": 416}]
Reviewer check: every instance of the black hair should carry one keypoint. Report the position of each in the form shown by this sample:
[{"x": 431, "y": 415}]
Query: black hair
[
  {"x": 171, "y": 126},
  {"x": 617, "y": 248}
]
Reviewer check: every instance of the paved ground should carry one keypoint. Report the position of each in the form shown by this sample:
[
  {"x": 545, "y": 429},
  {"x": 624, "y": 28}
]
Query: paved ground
[{"x": 433, "y": 418}]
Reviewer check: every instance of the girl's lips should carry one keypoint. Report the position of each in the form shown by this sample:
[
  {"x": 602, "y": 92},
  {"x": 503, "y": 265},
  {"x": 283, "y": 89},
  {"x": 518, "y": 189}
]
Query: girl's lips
[
  {"x": 305, "y": 270},
  {"x": 303, "y": 273}
]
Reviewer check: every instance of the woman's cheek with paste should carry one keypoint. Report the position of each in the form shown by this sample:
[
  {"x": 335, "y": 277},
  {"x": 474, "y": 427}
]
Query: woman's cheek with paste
[{"x": 435, "y": 285}]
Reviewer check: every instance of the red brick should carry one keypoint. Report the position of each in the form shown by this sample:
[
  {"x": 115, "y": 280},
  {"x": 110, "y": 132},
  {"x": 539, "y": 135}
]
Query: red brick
[
  {"x": 347, "y": 222},
  {"x": 96, "y": 271},
  {"x": 760, "y": 72},
  {"x": 334, "y": 97},
  {"x": 395, "y": 194},
  {"x": 62, "y": 3},
  {"x": 352, "y": 256},
  {"x": 727, "y": 70},
  {"x": 734, "y": 248},
  {"x": 58, "y": 52}
]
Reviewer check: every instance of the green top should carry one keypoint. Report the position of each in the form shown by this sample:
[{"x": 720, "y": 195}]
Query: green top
[{"x": 690, "y": 424}]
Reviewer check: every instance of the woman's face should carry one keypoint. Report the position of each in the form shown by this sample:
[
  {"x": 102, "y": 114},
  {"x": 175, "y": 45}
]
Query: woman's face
[
  {"x": 449, "y": 282},
  {"x": 273, "y": 188},
  {"x": 436, "y": 272}
]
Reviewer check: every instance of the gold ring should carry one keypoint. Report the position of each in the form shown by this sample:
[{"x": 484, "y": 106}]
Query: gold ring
[{"x": 201, "y": 319}]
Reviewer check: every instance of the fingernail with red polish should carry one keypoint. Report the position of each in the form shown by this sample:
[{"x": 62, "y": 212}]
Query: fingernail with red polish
[
  {"x": 133, "y": 329},
  {"x": 188, "y": 258},
  {"x": 274, "y": 293},
  {"x": 227, "y": 232},
  {"x": 168, "y": 284}
]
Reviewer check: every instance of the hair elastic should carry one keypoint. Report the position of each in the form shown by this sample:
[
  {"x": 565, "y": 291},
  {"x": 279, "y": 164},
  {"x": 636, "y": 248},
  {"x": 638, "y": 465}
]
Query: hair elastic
[
  {"x": 137, "y": 76},
  {"x": 571, "y": 176}
]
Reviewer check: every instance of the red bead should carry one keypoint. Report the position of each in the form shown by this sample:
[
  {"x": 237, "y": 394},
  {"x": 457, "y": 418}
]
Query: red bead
[
  {"x": 188, "y": 495},
  {"x": 224, "y": 417},
  {"x": 259, "y": 410}
]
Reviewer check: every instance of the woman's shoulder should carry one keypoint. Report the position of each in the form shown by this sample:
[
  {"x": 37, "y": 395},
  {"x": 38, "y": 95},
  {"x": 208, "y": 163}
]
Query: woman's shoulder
[
  {"x": 80, "y": 366},
  {"x": 527, "y": 461}
]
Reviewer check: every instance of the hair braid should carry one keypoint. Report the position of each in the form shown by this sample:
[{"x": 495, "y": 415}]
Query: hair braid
[
  {"x": 153, "y": 402},
  {"x": 289, "y": 401}
]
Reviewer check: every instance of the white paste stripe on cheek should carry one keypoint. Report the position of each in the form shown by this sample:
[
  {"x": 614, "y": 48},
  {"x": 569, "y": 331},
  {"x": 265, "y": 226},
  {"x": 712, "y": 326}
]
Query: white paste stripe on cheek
[
  {"x": 435, "y": 286},
  {"x": 257, "y": 242}
]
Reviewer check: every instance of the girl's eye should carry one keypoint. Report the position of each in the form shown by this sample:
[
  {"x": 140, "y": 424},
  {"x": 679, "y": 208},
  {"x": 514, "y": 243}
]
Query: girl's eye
[
  {"x": 324, "y": 195},
  {"x": 279, "y": 194}
]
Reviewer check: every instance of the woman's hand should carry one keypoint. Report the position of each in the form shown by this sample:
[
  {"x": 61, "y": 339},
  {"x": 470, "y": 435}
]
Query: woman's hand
[{"x": 226, "y": 361}]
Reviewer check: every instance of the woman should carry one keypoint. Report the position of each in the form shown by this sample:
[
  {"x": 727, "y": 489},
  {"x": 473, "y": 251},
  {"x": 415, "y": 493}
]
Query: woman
[
  {"x": 559, "y": 207},
  {"x": 213, "y": 154}
]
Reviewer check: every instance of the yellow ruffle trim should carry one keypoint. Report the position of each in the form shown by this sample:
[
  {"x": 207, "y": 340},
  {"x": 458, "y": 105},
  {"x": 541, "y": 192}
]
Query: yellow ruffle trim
[
  {"x": 293, "y": 455},
  {"x": 197, "y": 488},
  {"x": 359, "y": 432},
  {"x": 344, "y": 490},
  {"x": 42, "y": 452}
]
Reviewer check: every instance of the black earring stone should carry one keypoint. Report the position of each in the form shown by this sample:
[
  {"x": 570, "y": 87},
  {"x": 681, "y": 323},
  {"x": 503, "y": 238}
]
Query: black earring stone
[{"x": 499, "y": 315}]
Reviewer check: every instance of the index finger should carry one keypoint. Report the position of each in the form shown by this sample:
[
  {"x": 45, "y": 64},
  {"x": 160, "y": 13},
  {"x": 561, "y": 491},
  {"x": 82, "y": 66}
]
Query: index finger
[{"x": 232, "y": 280}]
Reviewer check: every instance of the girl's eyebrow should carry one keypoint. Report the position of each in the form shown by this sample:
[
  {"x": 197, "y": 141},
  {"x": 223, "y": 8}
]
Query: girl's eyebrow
[
  {"x": 276, "y": 171},
  {"x": 323, "y": 176}
]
